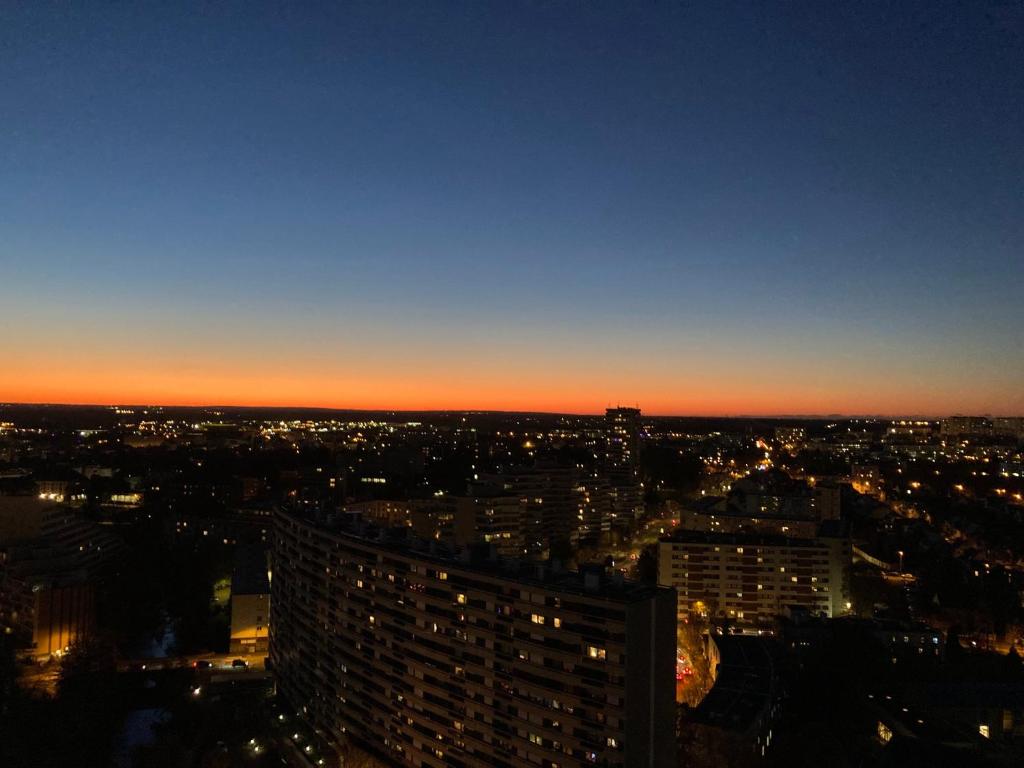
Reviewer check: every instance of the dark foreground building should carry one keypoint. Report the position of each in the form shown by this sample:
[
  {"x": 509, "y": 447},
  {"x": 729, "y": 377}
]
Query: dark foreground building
[{"x": 430, "y": 660}]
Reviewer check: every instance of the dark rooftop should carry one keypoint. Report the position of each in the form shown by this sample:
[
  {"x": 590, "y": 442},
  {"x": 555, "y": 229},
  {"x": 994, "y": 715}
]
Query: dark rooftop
[
  {"x": 745, "y": 684},
  {"x": 840, "y": 530},
  {"x": 591, "y": 580},
  {"x": 250, "y": 574}
]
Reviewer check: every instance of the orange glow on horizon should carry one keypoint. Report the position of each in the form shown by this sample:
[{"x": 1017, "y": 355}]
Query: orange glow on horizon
[
  {"x": 442, "y": 372},
  {"x": 434, "y": 391}
]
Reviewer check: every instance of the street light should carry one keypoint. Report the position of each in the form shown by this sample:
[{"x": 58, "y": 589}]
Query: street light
[{"x": 900, "y": 553}]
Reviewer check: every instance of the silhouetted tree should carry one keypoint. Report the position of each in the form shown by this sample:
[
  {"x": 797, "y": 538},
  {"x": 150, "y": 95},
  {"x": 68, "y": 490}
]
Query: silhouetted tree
[{"x": 647, "y": 565}]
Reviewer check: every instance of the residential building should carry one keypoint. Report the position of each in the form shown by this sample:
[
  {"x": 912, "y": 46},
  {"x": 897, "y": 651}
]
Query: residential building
[
  {"x": 429, "y": 658},
  {"x": 250, "y": 601},
  {"x": 965, "y": 426},
  {"x": 750, "y": 579},
  {"x": 51, "y": 562},
  {"x": 622, "y": 464}
]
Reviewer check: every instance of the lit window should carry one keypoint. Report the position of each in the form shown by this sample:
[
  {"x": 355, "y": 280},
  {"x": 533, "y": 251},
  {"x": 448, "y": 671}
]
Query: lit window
[
  {"x": 985, "y": 731},
  {"x": 536, "y": 618},
  {"x": 557, "y": 622},
  {"x": 460, "y": 599},
  {"x": 884, "y": 732},
  {"x": 596, "y": 653}
]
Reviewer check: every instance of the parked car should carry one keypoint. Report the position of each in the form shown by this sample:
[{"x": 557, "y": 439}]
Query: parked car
[{"x": 240, "y": 664}]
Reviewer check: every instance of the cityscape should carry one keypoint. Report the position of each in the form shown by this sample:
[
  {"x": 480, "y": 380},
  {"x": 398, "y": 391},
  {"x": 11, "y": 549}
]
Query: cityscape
[
  {"x": 511, "y": 384},
  {"x": 235, "y": 586}
]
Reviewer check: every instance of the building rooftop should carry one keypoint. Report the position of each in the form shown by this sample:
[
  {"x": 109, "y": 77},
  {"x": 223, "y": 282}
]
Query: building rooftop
[
  {"x": 825, "y": 530},
  {"x": 745, "y": 684},
  {"x": 591, "y": 580},
  {"x": 249, "y": 576}
]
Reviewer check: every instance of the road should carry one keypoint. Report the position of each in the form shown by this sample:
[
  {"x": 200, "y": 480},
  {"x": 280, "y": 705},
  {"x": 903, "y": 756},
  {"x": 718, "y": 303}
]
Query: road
[{"x": 216, "y": 661}]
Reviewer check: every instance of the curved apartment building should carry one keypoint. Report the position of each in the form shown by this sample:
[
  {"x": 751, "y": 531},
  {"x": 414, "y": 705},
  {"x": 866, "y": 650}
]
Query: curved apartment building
[{"x": 430, "y": 660}]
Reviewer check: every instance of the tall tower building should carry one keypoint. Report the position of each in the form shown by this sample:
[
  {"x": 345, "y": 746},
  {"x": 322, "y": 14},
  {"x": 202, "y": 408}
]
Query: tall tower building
[
  {"x": 622, "y": 463},
  {"x": 622, "y": 441}
]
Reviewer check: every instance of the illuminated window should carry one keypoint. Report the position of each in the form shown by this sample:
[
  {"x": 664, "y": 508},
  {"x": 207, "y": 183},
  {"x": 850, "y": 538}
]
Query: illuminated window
[
  {"x": 460, "y": 599},
  {"x": 596, "y": 653},
  {"x": 884, "y": 732},
  {"x": 557, "y": 622},
  {"x": 536, "y": 618},
  {"x": 984, "y": 730}
]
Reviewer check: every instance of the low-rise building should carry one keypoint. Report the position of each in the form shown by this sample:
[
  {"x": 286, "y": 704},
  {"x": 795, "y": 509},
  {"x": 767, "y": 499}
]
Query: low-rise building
[
  {"x": 250, "y": 601},
  {"x": 382, "y": 512},
  {"x": 51, "y": 561},
  {"x": 738, "y": 714}
]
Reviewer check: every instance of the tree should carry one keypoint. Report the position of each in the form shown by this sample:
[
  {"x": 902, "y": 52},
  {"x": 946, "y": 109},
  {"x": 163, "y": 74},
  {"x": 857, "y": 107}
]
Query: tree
[
  {"x": 954, "y": 651},
  {"x": 87, "y": 698},
  {"x": 8, "y": 675},
  {"x": 647, "y": 565}
]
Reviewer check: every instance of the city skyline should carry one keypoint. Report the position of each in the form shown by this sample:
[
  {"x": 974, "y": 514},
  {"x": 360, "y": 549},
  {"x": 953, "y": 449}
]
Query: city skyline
[
  {"x": 704, "y": 210},
  {"x": 596, "y": 412}
]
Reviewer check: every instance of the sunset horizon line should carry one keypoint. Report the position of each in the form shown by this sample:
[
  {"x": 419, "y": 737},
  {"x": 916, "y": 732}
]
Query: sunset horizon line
[{"x": 537, "y": 412}]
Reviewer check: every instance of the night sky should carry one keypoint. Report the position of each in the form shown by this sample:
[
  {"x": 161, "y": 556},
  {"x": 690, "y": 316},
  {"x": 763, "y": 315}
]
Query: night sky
[{"x": 750, "y": 208}]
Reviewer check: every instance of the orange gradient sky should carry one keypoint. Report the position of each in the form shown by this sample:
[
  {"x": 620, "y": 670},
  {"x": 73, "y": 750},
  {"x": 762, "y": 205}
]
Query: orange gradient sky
[
  {"x": 183, "y": 363},
  {"x": 376, "y": 207}
]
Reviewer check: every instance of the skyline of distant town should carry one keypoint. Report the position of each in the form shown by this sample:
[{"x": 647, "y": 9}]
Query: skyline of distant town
[{"x": 1009, "y": 412}]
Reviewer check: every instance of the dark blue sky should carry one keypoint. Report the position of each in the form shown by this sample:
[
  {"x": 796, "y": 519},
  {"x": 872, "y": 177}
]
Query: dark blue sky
[{"x": 810, "y": 206}]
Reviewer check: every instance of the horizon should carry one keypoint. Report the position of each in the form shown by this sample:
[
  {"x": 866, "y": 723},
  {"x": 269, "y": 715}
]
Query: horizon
[{"x": 511, "y": 412}]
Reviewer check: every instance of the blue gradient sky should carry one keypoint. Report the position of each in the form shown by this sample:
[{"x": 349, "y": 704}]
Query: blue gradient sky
[{"x": 729, "y": 208}]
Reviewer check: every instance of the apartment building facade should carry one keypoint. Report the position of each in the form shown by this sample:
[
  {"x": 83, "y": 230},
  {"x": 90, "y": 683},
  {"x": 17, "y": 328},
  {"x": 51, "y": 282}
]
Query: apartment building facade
[
  {"x": 751, "y": 579},
  {"x": 432, "y": 660}
]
